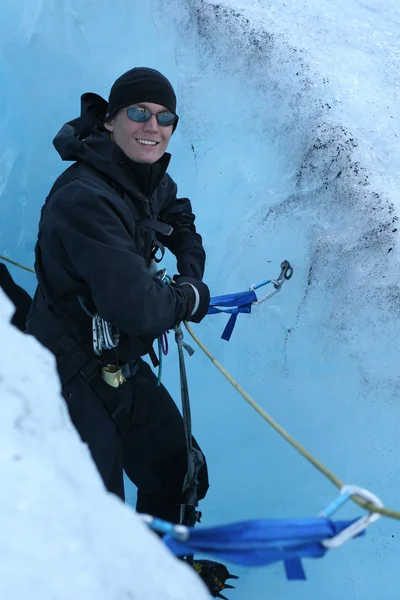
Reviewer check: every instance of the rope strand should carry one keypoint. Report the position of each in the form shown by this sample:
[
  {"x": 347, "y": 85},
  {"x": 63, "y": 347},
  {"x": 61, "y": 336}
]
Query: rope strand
[
  {"x": 17, "y": 264},
  {"x": 387, "y": 512},
  {"x": 286, "y": 436}
]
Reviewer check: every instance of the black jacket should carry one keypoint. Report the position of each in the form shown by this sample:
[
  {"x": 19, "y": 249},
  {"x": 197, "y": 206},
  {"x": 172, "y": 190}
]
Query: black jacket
[{"x": 97, "y": 235}]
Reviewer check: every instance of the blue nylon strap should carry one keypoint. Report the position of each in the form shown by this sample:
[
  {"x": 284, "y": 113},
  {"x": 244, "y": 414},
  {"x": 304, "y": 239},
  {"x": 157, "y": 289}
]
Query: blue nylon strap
[
  {"x": 262, "y": 542},
  {"x": 294, "y": 569},
  {"x": 233, "y": 304}
]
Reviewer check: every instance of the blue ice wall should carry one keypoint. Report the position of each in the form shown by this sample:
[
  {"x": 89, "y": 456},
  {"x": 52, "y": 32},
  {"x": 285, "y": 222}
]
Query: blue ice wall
[{"x": 267, "y": 153}]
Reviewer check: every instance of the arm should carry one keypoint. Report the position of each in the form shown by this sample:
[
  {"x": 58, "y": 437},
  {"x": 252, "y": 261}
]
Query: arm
[
  {"x": 184, "y": 242},
  {"x": 94, "y": 235}
]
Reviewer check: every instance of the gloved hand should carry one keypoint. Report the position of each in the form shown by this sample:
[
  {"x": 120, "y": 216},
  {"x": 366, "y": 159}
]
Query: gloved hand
[
  {"x": 199, "y": 297},
  {"x": 191, "y": 266}
]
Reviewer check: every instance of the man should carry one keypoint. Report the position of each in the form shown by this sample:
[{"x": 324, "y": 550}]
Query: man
[{"x": 105, "y": 221}]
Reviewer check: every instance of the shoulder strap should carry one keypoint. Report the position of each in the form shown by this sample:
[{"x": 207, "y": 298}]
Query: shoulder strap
[{"x": 158, "y": 226}]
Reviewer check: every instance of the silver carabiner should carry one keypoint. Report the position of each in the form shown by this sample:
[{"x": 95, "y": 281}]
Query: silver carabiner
[
  {"x": 285, "y": 274},
  {"x": 161, "y": 274},
  {"x": 358, "y": 526},
  {"x": 267, "y": 296}
]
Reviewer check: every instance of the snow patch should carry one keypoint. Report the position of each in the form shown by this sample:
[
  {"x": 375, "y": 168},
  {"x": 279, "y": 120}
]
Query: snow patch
[{"x": 62, "y": 535}]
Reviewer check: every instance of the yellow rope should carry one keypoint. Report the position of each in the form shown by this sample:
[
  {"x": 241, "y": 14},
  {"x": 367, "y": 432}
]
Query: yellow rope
[
  {"x": 307, "y": 455},
  {"x": 16, "y": 264}
]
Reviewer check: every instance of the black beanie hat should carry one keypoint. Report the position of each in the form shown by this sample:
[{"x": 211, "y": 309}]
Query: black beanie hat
[{"x": 141, "y": 84}]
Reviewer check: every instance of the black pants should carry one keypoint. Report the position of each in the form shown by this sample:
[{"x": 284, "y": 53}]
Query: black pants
[{"x": 152, "y": 452}]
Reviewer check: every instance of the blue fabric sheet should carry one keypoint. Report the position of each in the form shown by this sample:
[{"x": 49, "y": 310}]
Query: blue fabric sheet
[{"x": 262, "y": 542}]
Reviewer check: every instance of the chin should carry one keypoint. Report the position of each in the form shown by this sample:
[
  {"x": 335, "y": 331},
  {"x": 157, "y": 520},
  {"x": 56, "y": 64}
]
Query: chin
[
  {"x": 145, "y": 160},
  {"x": 149, "y": 159}
]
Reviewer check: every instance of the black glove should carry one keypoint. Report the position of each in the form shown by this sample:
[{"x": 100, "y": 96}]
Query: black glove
[
  {"x": 198, "y": 295},
  {"x": 191, "y": 265}
]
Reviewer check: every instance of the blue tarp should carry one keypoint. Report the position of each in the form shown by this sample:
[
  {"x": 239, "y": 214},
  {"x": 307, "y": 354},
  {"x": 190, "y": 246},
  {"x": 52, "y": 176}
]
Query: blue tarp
[{"x": 262, "y": 542}]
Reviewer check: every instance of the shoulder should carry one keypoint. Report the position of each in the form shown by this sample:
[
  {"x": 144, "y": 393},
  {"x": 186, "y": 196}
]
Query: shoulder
[
  {"x": 82, "y": 189},
  {"x": 82, "y": 180},
  {"x": 80, "y": 177}
]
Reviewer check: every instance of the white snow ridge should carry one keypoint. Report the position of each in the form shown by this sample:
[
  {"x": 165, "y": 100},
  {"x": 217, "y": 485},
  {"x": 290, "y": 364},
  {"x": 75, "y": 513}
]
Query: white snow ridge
[{"x": 62, "y": 536}]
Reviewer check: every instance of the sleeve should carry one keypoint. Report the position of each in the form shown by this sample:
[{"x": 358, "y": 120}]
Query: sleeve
[
  {"x": 184, "y": 242},
  {"x": 95, "y": 237}
]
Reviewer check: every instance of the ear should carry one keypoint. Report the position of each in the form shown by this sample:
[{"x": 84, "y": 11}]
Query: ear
[{"x": 109, "y": 125}]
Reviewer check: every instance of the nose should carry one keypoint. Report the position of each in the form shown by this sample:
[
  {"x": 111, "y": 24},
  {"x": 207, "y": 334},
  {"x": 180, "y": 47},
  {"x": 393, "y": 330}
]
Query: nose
[{"x": 151, "y": 124}]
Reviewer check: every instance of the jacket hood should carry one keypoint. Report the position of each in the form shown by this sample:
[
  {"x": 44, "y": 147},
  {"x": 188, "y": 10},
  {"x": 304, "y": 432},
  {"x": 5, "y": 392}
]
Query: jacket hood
[{"x": 85, "y": 139}]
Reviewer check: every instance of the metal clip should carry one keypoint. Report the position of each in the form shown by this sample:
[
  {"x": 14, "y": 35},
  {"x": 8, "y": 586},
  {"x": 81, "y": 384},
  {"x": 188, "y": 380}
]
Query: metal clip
[
  {"x": 179, "y": 532},
  {"x": 112, "y": 376},
  {"x": 161, "y": 274},
  {"x": 345, "y": 493},
  {"x": 285, "y": 275}
]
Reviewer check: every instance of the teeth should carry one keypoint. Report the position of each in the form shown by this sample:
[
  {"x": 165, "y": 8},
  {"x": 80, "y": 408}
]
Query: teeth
[{"x": 147, "y": 142}]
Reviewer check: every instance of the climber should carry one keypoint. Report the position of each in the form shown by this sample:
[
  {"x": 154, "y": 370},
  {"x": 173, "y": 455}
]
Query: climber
[{"x": 105, "y": 222}]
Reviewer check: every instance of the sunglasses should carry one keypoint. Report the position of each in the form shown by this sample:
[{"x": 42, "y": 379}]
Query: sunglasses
[{"x": 141, "y": 115}]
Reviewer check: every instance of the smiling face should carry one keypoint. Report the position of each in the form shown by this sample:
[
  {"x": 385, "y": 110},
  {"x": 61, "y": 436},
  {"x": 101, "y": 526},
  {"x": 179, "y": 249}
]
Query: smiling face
[{"x": 135, "y": 139}]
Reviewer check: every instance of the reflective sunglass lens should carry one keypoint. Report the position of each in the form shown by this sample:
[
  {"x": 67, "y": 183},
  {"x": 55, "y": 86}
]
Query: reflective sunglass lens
[
  {"x": 141, "y": 115},
  {"x": 166, "y": 119}
]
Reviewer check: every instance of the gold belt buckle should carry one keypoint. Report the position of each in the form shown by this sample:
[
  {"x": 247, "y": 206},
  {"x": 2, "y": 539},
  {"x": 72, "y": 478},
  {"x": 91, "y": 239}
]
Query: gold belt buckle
[{"x": 112, "y": 376}]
